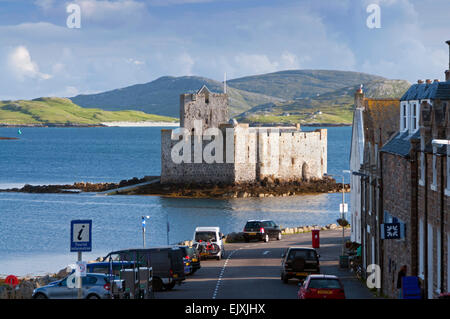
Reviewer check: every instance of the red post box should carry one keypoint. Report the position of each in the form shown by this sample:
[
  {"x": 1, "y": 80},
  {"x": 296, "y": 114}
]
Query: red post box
[{"x": 315, "y": 238}]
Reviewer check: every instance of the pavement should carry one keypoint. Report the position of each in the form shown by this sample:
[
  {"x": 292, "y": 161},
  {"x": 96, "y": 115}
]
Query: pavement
[{"x": 252, "y": 271}]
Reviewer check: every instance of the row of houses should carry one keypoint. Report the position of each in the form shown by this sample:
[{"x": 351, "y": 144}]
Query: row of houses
[{"x": 400, "y": 200}]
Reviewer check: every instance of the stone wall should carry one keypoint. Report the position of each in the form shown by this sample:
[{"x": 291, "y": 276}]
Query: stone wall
[
  {"x": 256, "y": 153},
  {"x": 211, "y": 108},
  {"x": 397, "y": 201}
]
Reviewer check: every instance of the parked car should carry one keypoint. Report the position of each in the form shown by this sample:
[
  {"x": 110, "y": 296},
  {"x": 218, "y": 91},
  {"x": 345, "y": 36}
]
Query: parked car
[
  {"x": 94, "y": 286},
  {"x": 299, "y": 262},
  {"x": 321, "y": 287},
  {"x": 261, "y": 230},
  {"x": 166, "y": 262},
  {"x": 113, "y": 269},
  {"x": 209, "y": 242},
  {"x": 192, "y": 256}
]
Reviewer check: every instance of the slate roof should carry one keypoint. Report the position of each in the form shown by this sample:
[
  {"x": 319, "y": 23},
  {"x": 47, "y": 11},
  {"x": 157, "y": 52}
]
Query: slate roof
[
  {"x": 432, "y": 91},
  {"x": 400, "y": 144}
]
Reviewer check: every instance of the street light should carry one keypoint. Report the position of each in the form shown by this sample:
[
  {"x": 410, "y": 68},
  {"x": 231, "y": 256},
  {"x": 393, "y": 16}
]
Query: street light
[{"x": 143, "y": 229}]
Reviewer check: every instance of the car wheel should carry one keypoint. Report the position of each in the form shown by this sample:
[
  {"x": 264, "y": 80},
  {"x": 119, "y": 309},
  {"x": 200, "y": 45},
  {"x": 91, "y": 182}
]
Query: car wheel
[
  {"x": 219, "y": 257},
  {"x": 284, "y": 278},
  {"x": 170, "y": 286},
  {"x": 40, "y": 296},
  {"x": 279, "y": 236},
  {"x": 93, "y": 297},
  {"x": 266, "y": 238},
  {"x": 157, "y": 284}
]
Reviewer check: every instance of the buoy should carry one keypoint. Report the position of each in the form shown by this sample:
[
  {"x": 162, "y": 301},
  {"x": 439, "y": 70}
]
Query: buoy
[{"x": 19, "y": 131}]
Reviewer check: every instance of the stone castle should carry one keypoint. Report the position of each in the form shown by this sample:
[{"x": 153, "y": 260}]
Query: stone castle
[{"x": 218, "y": 151}]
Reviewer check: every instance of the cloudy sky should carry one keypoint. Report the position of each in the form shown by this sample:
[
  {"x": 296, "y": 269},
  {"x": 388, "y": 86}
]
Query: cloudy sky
[{"x": 124, "y": 42}]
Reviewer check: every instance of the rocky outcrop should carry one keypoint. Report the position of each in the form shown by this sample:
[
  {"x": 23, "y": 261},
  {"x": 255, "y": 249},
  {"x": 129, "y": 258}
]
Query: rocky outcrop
[
  {"x": 78, "y": 187},
  {"x": 264, "y": 188}
]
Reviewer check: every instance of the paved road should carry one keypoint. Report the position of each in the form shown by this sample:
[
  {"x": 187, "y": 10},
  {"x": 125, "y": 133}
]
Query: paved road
[{"x": 252, "y": 271}]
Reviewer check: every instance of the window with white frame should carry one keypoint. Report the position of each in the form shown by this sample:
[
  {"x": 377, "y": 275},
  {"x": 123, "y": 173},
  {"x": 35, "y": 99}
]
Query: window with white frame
[
  {"x": 403, "y": 116},
  {"x": 414, "y": 117},
  {"x": 422, "y": 161},
  {"x": 434, "y": 183},
  {"x": 447, "y": 191}
]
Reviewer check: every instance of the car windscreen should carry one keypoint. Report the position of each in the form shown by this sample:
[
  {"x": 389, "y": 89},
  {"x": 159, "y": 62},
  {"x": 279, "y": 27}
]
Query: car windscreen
[
  {"x": 190, "y": 251},
  {"x": 319, "y": 283},
  {"x": 302, "y": 253},
  {"x": 205, "y": 236}
]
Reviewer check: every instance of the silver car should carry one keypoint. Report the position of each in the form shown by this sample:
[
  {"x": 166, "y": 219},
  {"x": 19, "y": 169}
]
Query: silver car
[{"x": 95, "y": 286}]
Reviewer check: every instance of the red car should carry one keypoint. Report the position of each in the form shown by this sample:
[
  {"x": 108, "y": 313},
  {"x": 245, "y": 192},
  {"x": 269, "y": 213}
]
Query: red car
[{"x": 321, "y": 287}]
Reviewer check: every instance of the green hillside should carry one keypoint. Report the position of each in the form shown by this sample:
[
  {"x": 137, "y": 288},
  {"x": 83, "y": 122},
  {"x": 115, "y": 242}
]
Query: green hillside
[
  {"x": 332, "y": 107},
  {"x": 162, "y": 96},
  {"x": 64, "y": 111},
  {"x": 294, "y": 84}
]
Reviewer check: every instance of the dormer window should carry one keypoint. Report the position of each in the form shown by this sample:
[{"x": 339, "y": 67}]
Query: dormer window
[
  {"x": 403, "y": 116},
  {"x": 414, "y": 117}
]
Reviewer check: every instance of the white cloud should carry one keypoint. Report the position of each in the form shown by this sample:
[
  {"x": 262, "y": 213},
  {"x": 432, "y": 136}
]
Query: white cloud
[{"x": 23, "y": 66}]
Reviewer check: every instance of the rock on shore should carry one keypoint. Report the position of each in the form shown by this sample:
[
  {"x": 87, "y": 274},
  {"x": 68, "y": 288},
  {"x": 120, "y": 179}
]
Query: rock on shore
[{"x": 264, "y": 188}]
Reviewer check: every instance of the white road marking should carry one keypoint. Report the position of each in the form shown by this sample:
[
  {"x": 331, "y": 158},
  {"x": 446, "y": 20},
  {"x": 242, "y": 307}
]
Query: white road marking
[
  {"x": 216, "y": 290},
  {"x": 266, "y": 252}
]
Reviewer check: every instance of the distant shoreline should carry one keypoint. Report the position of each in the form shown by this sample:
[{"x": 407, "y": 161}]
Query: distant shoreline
[
  {"x": 104, "y": 124},
  {"x": 160, "y": 124}
]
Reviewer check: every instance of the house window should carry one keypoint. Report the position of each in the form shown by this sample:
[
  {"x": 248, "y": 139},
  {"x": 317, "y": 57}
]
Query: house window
[
  {"x": 447, "y": 191},
  {"x": 422, "y": 161},
  {"x": 414, "y": 117},
  {"x": 404, "y": 116},
  {"x": 434, "y": 184}
]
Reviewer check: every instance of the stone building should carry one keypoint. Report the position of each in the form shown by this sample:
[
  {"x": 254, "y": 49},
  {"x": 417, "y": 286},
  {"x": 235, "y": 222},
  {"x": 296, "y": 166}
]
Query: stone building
[
  {"x": 216, "y": 151},
  {"x": 404, "y": 183},
  {"x": 374, "y": 122}
]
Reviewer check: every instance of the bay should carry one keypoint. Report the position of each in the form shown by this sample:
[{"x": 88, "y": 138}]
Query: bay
[{"x": 34, "y": 228}]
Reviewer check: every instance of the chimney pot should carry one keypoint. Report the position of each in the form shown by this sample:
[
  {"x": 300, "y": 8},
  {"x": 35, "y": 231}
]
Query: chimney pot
[
  {"x": 436, "y": 81},
  {"x": 428, "y": 81},
  {"x": 419, "y": 81}
]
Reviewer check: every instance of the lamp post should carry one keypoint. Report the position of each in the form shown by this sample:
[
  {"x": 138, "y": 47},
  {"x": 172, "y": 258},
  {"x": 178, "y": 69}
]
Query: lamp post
[{"x": 143, "y": 229}]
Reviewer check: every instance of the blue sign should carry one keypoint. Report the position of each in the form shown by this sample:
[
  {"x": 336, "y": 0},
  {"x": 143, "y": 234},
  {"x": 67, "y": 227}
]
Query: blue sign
[
  {"x": 392, "y": 230},
  {"x": 81, "y": 235}
]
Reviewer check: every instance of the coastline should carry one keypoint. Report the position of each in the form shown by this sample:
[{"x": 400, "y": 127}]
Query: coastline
[{"x": 103, "y": 124}]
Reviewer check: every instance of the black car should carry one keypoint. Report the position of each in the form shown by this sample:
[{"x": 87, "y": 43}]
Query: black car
[
  {"x": 166, "y": 262},
  {"x": 191, "y": 254},
  {"x": 299, "y": 262},
  {"x": 261, "y": 230}
]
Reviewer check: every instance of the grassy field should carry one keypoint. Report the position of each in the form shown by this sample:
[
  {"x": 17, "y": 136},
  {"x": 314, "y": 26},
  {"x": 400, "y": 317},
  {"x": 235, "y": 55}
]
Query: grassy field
[{"x": 64, "y": 111}]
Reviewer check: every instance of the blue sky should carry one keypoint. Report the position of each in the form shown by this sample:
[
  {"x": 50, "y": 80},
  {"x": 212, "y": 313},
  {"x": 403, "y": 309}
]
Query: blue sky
[{"x": 124, "y": 42}]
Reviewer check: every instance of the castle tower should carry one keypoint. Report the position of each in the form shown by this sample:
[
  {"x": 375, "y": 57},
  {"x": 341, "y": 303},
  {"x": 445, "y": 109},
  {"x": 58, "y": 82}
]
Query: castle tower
[{"x": 210, "y": 108}]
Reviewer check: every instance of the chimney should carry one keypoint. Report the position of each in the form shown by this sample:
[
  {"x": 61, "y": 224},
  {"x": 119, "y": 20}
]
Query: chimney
[
  {"x": 436, "y": 81},
  {"x": 428, "y": 81},
  {"x": 359, "y": 98},
  {"x": 447, "y": 72},
  {"x": 419, "y": 81}
]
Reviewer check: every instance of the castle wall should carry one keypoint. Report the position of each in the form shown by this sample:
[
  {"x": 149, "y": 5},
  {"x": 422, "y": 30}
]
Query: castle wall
[{"x": 256, "y": 153}]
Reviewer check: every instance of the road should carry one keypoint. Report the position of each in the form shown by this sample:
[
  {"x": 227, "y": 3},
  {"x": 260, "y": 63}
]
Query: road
[{"x": 252, "y": 271}]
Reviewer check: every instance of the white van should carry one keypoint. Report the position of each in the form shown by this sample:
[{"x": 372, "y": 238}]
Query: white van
[{"x": 209, "y": 242}]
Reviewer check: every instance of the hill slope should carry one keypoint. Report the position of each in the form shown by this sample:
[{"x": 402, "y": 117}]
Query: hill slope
[
  {"x": 64, "y": 111},
  {"x": 294, "y": 84},
  {"x": 332, "y": 107},
  {"x": 162, "y": 96}
]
